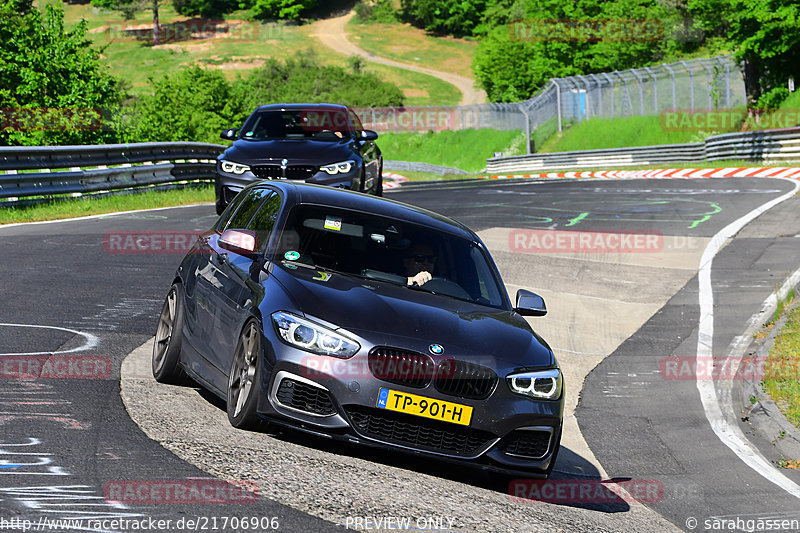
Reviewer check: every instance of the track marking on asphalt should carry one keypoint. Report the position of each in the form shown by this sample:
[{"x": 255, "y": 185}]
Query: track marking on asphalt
[
  {"x": 730, "y": 434},
  {"x": 90, "y": 342}
]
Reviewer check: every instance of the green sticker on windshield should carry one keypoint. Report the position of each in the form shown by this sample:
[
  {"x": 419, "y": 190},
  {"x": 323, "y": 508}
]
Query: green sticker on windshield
[{"x": 291, "y": 255}]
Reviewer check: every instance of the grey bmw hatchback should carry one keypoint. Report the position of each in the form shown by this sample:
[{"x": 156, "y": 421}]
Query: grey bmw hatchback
[{"x": 367, "y": 320}]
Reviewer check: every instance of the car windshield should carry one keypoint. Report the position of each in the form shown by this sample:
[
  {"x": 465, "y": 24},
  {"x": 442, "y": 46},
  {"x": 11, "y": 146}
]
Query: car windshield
[
  {"x": 317, "y": 124},
  {"x": 388, "y": 250}
]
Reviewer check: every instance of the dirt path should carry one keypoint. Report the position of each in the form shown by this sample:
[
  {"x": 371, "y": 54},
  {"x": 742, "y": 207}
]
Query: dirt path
[{"x": 331, "y": 32}]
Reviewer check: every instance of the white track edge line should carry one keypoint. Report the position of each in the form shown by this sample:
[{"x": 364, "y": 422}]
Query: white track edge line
[{"x": 730, "y": 435}]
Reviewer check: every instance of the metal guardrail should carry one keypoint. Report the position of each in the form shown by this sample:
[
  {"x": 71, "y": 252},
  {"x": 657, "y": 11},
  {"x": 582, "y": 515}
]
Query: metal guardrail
[
  {"x": 413, "y": 166},
  {"x": 88, "y": 169},
  {"x": 769, "y": 146}
]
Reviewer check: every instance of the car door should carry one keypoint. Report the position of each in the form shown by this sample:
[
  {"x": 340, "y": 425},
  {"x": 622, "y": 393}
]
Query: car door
[
  {"x": 370, "y": 154},
  {"x": 218, "y": 294},
  {"x": 242, "y": 275}
]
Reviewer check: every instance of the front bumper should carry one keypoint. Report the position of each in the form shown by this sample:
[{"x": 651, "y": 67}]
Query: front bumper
[
  {"x": 230, "y": 184},
  {"x": 337, "y": 398}
]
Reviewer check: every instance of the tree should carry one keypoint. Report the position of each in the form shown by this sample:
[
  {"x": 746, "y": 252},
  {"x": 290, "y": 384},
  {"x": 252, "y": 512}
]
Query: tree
[
  {"x": 130, "y": 7},
  {"x": 53, "y": 88},
  {"x": 765, "y": 35},
  {"x": 278, "y": 9}
]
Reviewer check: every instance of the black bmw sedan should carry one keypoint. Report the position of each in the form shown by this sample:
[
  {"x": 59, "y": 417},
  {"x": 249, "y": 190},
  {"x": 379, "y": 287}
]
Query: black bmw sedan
[
  {"x": 316, "y": 143},
  {"x": 367, "y": 320}
]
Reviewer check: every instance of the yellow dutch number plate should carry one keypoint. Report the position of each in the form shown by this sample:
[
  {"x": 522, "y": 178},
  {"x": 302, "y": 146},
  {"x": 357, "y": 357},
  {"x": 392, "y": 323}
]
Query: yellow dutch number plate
[{"x": 412, "y": 404}]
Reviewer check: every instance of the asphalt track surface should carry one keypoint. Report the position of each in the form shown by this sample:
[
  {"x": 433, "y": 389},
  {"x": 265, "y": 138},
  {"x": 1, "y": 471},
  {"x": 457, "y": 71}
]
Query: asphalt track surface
[{"x": 66, "y": 441}]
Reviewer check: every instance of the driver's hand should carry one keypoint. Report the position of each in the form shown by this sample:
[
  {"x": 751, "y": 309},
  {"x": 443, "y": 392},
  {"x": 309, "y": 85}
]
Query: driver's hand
[{"x": 420, "y": 279}]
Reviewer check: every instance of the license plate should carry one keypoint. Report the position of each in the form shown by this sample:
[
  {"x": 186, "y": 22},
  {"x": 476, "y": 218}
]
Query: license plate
[{"x": 411, "y": 404}]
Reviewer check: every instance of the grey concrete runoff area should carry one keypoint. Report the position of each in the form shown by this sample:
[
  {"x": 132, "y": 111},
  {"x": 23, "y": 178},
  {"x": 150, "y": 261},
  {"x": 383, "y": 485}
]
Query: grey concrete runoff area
[{"x": 614, "y": 315}]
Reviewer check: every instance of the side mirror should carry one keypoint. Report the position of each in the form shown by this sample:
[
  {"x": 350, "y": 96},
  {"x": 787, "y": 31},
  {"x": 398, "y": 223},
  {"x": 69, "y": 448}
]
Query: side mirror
[
  {"x": 530, "y": 304},
  {"x": 239, "y": 241},
  {"x": 368, "y": 135},
  {"x": 228, "y": 135}
]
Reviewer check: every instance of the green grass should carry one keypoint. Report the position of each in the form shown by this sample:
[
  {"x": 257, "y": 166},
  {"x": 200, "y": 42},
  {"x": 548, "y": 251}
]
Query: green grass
[
  {"x": 598, "y": 133},
  {"x": 464, "y": 149},
  {"x": 108, "y": 204},
  {"x": 782, "y": 370}
]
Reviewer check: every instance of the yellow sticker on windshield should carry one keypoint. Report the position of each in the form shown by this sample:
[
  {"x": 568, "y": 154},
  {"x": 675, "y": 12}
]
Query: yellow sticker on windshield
[
  {"x": 323, "y": 276},
  {"x": 333, "y": 223}
]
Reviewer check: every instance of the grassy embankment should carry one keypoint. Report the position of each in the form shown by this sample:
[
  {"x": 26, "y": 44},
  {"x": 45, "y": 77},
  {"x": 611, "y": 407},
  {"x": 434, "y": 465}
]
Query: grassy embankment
[
  {"x": 783, "y": 366},
  {"x": 233, "y": 46},
  {"x": 79, "y": 207}
]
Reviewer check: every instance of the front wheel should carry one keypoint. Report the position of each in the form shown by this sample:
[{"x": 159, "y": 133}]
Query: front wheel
[
  {"x": 167, "y": 346},
  {"x": 244, "y": 378}
]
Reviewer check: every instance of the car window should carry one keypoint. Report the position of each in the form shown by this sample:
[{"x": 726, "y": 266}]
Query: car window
[
  {"x": 247, "y": 208},
  {"x": 264, "y": 220},
  {"x": 312, "y": 123},
  {"x": 356, "y": 121},
  {"x": 385, "y": 249},
  {"x": 228, "y": 213}
]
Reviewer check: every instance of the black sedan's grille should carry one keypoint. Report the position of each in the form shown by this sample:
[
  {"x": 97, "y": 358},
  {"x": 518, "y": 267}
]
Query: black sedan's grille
[
  {"x": 418, "y": 433},
  {"x": 527, "y": 443},
  {"x": 401, "y": 367},
  {"x": 305, "y": 397},
  {"x": 466, "y": 380},
  {"x": 293, "y": 172}
]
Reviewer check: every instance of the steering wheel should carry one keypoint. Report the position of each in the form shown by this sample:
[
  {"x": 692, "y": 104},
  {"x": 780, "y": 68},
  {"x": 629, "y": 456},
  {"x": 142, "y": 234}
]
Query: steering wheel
[{"x": 447, "y": 287}]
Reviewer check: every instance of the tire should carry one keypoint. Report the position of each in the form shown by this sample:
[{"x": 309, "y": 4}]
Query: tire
[
  {"x": 168, "y": 339},
  {"x": 244, "y": 377}
]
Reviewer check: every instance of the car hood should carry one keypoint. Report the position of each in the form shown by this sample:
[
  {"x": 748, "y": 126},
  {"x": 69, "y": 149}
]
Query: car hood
[
  {"x": 394, "y": 315},
  {"x": 296, "y": 151}
]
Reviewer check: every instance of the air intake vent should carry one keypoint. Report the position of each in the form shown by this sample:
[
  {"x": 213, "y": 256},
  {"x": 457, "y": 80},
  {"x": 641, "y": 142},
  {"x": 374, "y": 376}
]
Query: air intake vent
[
  {"x": 401, "y": 367},
  {"x": 466, "y": 380}
]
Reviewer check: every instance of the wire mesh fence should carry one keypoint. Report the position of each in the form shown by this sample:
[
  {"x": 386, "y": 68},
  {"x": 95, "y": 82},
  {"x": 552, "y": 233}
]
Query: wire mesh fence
[{"x": 700, "y": 84}]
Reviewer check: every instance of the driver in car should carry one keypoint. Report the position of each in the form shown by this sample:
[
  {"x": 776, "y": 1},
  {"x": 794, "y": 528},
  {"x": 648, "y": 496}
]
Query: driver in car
[{"x": 419, "y": 262}]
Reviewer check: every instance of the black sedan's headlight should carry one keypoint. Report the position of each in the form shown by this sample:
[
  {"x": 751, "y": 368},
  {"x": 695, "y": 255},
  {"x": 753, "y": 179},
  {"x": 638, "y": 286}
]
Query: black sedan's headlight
[
  {"x": 539, "y": 385},
  {"x": 233, "y": 168},
  {"x": 306, "y": 335},
  {"x": 342, "y": 167}
]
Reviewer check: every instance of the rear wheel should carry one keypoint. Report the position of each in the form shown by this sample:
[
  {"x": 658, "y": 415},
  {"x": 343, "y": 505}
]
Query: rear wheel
[
  {"x": 167, "y": 346},
  {"x": 244, "y": 378}
]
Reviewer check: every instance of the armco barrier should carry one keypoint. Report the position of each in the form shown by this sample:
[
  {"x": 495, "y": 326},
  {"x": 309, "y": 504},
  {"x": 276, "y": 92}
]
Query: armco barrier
[
  {"x": 769, "y": 146},
  {"x": 50, "y": 170}
]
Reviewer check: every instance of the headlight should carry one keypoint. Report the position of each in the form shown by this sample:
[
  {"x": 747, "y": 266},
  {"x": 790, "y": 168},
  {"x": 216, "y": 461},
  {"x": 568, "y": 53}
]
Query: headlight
[
  {"x": 338, "y": 168},
  {"x": 233, "y": 168},
  {"x": 306, "y": 335},
  {"x": 541, "y": 385}
]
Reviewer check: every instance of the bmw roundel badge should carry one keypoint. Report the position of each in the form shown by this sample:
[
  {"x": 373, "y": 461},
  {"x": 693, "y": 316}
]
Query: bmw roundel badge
[{"x": 436, "y": 349}]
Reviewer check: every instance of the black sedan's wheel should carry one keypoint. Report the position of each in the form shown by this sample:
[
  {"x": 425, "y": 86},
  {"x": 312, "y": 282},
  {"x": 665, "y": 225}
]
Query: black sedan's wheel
[
  {"x": 167, "y": 346},
  {"x": 244, "y": 378}
]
